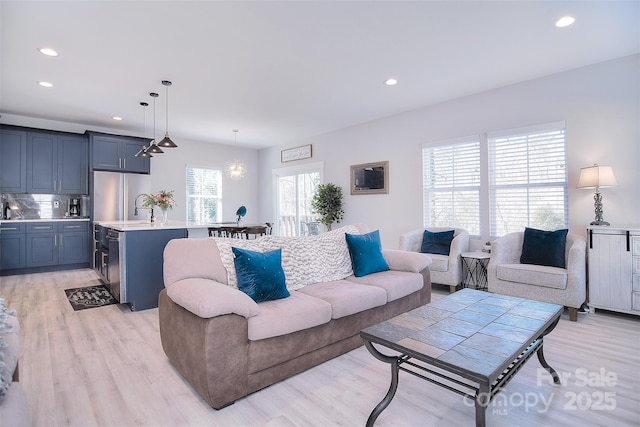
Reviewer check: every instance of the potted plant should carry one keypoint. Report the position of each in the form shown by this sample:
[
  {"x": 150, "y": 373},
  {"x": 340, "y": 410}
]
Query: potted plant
[
  {"x": 487, "y": 246},
  {"x": 327, "y": 202}
]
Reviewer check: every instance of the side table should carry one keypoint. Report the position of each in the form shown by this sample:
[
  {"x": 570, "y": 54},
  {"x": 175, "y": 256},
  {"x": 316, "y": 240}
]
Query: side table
[{"x": 474, "y": 270}]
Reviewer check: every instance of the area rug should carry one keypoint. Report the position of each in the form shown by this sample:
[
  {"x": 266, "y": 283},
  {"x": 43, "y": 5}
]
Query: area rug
[{"x": 89, "y": 297}]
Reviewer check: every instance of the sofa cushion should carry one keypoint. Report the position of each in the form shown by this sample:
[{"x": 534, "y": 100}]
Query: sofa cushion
[
  {"x": 206, "y": 298},
  {"x": 366, "y": 253},
  {"x": 193, "y": 258},
  {"x": 436, "y": 242},
  {"x": 346, "y": 297},
  {"x": 541, "y": 247},
  {"x": 439, "y": 263},
  {"x": 397, "y": 284},
  {"x": 260, "y": 274},
  {"x": 283, "y": 316},
  {"x": 538, "y": 275}
]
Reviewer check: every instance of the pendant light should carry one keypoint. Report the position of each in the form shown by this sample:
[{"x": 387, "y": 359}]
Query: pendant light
[
  {"x": 143, "y": 151},
  {"x": 167, "y": 142},
  {"x": 236, "y": 169},
  {"x": 153, "y": 147}
]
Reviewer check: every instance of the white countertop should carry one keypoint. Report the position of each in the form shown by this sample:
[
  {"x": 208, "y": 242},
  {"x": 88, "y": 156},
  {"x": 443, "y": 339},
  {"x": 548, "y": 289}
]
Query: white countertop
[
  {"x": 9, "y": 221},
  {"x": 147, "y": 226}
]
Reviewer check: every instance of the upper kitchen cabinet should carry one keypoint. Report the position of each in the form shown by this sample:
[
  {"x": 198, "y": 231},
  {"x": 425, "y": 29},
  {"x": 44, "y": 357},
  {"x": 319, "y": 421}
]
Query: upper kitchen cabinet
[
  {"x": 57, "y": 163},
  {"x": 13, "y": 161},
  {"x": 118, "y": 153}
]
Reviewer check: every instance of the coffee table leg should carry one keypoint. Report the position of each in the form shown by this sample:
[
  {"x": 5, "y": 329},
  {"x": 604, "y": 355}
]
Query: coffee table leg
[
  {"x": 482, "y": 401},
  {"x": 394, "y": 362},
  {"x": 540, "y": 352},
  {"x": 545, "y": 365}
]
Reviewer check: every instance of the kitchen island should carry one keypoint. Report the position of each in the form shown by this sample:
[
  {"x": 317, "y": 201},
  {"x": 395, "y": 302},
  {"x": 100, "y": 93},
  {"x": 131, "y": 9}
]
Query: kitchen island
[{"x": 128, "y": 258}]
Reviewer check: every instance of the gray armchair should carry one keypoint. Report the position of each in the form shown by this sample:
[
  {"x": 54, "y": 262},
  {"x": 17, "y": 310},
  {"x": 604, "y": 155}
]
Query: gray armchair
[
  {"x": 445, "y": 270},
  {"x": 564, "y": 286}
]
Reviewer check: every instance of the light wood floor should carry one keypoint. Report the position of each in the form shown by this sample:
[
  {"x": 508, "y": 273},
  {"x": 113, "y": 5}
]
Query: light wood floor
[{"x": 105, "y": 367}]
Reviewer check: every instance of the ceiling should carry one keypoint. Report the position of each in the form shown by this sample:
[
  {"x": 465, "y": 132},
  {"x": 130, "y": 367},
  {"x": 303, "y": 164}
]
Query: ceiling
[{"x": 285, "y": 71}]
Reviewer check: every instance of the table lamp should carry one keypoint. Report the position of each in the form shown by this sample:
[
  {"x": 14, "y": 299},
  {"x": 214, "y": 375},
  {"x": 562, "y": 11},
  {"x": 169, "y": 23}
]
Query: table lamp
[{"x": 597, "y": 177}]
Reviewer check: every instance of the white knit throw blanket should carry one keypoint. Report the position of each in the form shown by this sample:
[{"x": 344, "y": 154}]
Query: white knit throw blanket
[{"x": 305, "y": 260}]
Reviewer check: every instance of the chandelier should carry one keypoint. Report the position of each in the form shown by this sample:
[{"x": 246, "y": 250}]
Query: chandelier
[{"x": 236, "y": 169}]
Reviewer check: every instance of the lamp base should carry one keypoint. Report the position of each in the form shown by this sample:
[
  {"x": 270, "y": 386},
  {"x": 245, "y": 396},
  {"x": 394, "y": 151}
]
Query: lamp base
[{"x": 599, "y": 223}]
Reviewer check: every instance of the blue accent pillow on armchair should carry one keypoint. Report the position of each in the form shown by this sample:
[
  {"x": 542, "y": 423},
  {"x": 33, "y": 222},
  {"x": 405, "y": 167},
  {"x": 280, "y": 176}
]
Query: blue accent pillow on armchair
[
  {"x": 366, "y": 253},
  {"x": 260, "y": 274},
  {"x": 437, "y": 243},
  {"x": 544, "y": 247}
]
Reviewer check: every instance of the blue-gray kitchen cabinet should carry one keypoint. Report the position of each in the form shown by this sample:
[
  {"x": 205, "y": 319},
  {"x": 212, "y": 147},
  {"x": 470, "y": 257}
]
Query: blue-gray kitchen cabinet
[{"x": 13, "y": 161}]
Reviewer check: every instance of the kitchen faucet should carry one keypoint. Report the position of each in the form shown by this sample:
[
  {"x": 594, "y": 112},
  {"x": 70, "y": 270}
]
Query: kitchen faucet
[{"x": 135, "y": 205}]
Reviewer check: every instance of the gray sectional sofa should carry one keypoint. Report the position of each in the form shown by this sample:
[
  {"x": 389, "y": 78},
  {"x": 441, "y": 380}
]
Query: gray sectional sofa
[{"x": 227, "y": 346}]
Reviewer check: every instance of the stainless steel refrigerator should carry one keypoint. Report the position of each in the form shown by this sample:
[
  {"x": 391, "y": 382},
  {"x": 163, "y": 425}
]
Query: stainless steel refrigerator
[{"x": 114, "y": 195}]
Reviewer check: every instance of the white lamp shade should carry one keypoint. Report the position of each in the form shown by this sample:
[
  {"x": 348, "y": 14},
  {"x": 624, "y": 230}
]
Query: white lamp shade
[{"x": 596, "y": 177}]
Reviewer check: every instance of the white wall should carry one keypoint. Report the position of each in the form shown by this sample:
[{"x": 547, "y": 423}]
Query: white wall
[
  {"x": 600, "y": 104},
  {"x": 168, "y": 172}
]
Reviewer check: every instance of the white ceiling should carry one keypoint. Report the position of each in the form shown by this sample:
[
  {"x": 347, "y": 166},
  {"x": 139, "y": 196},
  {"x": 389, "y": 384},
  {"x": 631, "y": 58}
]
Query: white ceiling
[{"x": 288, "y": 70}]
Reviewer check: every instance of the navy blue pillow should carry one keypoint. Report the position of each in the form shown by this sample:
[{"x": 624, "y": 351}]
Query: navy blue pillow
[
  {"x": 544, "y": 247},
  {"x": 260, "y": 274},
  {"x": 366, "y": 253},
  {"x": 436, "y": 243}
]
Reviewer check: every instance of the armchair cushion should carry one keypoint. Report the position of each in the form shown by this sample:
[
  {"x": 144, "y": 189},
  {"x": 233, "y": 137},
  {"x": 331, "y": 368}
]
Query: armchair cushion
[
  {"x": 544, "y": 247},
  {"x": 538, "y": 275},
  {"x": 436, "y": 243}
]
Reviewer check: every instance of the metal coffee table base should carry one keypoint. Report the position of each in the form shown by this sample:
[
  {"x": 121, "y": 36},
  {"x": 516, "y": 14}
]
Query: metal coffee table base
[{"x": 481, "y": 393}]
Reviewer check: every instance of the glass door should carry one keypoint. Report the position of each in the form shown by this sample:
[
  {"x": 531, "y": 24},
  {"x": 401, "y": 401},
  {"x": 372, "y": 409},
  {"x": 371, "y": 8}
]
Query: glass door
[{"x": 295, "y": 191}]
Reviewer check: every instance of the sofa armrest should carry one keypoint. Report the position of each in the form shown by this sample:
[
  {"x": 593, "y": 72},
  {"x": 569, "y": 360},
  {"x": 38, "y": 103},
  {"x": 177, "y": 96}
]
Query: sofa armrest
[
  {"x": 207, "y": 298},
  {"x": 400, "y": 260}
]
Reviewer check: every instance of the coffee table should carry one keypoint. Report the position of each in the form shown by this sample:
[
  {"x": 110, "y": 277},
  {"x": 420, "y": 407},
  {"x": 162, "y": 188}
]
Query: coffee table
[{"x": 470, "y": 342}]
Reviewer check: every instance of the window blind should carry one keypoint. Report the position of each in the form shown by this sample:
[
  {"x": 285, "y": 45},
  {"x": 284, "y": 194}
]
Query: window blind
[
  {"x": 528, "y": 179},
  {"x": 451, "y": 185},
  {"x": 203, "y": 194}
]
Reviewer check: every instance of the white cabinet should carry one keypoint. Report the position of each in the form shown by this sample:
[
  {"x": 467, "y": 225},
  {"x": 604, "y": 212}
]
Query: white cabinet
[{"x": 614, "y": 268}]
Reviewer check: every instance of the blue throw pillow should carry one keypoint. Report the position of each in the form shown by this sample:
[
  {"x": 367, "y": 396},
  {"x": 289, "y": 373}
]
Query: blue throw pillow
[
  {"x": 260, "y": 274},
  {"x": 437, "y": 243},
  {"x": 544, "y": 247},
  {"x": 366, "y": 253}
]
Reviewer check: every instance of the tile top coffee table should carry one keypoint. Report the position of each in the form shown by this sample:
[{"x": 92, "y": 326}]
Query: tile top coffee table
[{"x": 470, "y": 342}]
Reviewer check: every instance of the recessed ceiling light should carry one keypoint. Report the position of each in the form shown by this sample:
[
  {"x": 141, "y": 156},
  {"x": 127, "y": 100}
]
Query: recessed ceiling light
[
  {"x": 45, "y": 84},
  {"x": 116, "y": 118},
  {"x": 391, "y": 82},
  {"x": 48, "y": 51},
  {"x": 565, "y": 21}
]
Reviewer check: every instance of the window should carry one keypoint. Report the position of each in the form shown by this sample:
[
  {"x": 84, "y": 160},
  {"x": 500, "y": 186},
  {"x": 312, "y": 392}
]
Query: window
[
  {"x": 451, "y": 185},
  {"x": 528, "y": 179},
  {"x": 204, "y": 193}
]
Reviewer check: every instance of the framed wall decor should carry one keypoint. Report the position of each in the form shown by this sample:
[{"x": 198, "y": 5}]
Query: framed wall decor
[
  {"x": 295, "y": 153},
  {"x": 370, "y": 178}
]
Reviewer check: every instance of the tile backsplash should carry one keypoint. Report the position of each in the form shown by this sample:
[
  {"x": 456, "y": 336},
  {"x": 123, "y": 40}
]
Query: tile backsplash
[{"x": 42, "y": 206}]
